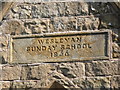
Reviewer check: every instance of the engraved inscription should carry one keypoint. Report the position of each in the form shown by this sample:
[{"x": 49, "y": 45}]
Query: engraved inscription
[{"x": 60, "y": 47}]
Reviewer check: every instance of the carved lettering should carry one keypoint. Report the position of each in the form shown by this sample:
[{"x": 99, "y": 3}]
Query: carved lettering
[
  {"x": 61, "y": 40},
  {"x": 59, "y": 47},
  {"x": 61, "y": 53},
  {"x": 28, "y": 48},
  {"x": 40, "y": 41}
]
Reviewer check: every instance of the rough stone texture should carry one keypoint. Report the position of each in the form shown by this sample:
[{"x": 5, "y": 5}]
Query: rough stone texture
[
  {"x": 0, "y": 73},
  {"x": 35, "y": 72},
  {"x": 115, "y": 82},
  {"x": 70, "y": 75},
  {"x": 80, "y": 83},
  {"x": 101, "y": 8},
  {"x": 119, "y": 67},
  {"x": 36, "y": 26},
  {"x": 57, "y": 24},
  {"x": 109, "y": 21},
  {"x": 11, "y": 72},
  {"x": 3, "y": 48},
  {"x": 5, "y": 84},
  {"x": 44, "y": 71},
  {"x": 61, "y": 16},
  {"x": 101, "y": 68},
  {"x": 3, "y": 42},
  {"x": 116, "y": 50},
  {"x": 88, "y": 23},
  {"x": 12, "y": 27},
  {"x": 3, "y": 57},
  {"x": 63, "y": 24},
  {"x": 71, "y": 70},
  {"x": 0, "y": 85},
  {"x": 24, "y": 84},
  {"x": 102, "y": 83},
  {"x": 47, "y": 10},
  {"x": 29, "y": 18}
]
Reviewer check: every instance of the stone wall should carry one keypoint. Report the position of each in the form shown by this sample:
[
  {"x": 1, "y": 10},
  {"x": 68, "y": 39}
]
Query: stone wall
[{"x": 49, "y": 17}]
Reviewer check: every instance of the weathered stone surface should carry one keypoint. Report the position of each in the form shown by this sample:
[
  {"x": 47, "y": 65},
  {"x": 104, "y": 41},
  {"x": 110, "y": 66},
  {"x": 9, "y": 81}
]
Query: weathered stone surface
[
  {"x": 81, "y": 83},
  {"x": 116, "y": 50},
  {"x": 63, "y": 24},
  {"x": 31, "y": 84},
  {"x": 47, "y": 10},
  {"x": 3, "y": 57},
  {"x": 98, "y": 83},
  {"x": 35, "y": 72},
  {"x": 60, "y": 47},
  {"x": 23, "y": 84},
  {"x": 10, "y": 72},
  {"x": 76, "y": 8},
  {"x": 0, "y": 73},
  {"x": 87, "y": 23},
  {"x": 47, "y": 71},
  {"x": 115, "y": 44},
  {"x": 109, "y": 21},
  {"x": 13, "y": 27},
  {"x": 47, "y": 17},
  {"x": 3, "y": 42},
  {"x": 0, "y": 85},
  {"x": 101, "y": 68},
  {"x": 74, "y": 23},
  {"x": 115, "y": 82},
  {"x": 36, "y": 26},
  {"x": 60, "y": 24},
  {"x": 101, "y": 8},
  {"x": 72, "y": 70},
  {"x": 118, "y": 67},
  {"x": 5, "y": 85},
  {"x": 5, "y": 6},
  {"x": 3, "y": 48},
  {"x": 44, "y": 74}
]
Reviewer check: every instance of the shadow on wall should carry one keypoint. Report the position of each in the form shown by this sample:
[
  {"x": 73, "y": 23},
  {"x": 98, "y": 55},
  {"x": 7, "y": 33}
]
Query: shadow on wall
[{"x": 54, "y": 86}]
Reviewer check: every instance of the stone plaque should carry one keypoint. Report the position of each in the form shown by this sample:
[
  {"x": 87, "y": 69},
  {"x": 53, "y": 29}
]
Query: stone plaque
[{"x": 57, "y": 47}]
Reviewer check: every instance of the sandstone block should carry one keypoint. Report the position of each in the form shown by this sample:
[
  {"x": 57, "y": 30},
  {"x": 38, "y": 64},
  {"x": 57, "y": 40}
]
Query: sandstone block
[
  {"x": 100, "y": 8},
  {"x": 49, "y": 71},
  {"x": 0, "y": 85},
  {"x": 115, "y": 82},
  {"x": 64, "y": 24},
  {"x": 35, "y": 72},
  {"x": 10, "y": 72},
  {"x": 3, "y": 57},
  {"x": 97, "y": 83},
  {"x": 72, "y": 70},
  {"x": 13, "y": 27},
  {"x": 0, "y": 72},
  {"x": 73, "y": 24},
  {"x": 23, "y": 84},
  {"x": 100, "y": 68},
  {"x": 47, "y": 10},
  {"x": 3, "y": 42},
  {"x": 30, "y": 84},
  {"x": 80, "y": 83},
  {"x": 5, "y": 85},
  {"x": 36, "y": 26},
  {"x": 109, "y": 21},
  {"x": 87, "y": 23}
]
